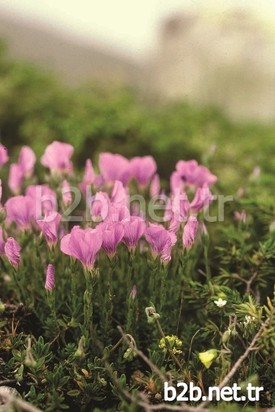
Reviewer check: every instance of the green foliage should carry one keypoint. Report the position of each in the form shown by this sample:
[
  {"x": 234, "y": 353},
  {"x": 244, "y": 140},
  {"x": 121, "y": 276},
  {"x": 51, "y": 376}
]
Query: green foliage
[{"x": 63, "y": 348}]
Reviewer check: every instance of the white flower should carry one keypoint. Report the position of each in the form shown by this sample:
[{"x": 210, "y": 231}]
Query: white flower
[{"x": 220, "y": 302}]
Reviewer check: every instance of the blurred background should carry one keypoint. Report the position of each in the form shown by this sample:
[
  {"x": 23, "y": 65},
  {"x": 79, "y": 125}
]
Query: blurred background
[{"x": 177, "y": 79}]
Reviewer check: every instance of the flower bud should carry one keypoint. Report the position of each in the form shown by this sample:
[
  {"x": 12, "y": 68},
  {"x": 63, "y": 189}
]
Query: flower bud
[
  {"x": 151, "y": 314},
  {"x": 2, "y": 307},
  {"x": 79, "y": 353}
]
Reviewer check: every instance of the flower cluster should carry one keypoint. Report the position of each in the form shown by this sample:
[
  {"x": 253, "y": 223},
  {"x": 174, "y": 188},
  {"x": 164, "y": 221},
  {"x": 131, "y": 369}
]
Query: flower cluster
[
  {"x": 112, "y": 220},
  {"x": 171, "y": 343}
]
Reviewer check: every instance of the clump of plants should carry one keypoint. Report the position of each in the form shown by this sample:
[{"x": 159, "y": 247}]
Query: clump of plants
[{"x": 112, "y": 286}]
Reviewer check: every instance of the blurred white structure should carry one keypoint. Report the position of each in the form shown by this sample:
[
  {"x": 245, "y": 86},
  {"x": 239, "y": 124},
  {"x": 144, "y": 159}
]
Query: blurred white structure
[{"x": 227, "y": 61}]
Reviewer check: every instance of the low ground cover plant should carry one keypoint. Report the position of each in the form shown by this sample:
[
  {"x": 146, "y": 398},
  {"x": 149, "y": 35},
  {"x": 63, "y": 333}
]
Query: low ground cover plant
[{"x": 113, "y": 283}]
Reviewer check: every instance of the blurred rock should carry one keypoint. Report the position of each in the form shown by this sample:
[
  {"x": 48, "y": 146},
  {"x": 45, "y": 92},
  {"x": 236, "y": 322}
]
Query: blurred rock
[{"x": 226, "y": 60}]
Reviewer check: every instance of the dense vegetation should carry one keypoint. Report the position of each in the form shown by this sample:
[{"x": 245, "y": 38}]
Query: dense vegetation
[{"x": 46, "y": 350}]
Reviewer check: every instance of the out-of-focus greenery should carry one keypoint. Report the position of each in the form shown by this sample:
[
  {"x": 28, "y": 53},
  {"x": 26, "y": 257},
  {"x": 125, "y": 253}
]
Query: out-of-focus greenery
[{"x": 36, "y": 109}]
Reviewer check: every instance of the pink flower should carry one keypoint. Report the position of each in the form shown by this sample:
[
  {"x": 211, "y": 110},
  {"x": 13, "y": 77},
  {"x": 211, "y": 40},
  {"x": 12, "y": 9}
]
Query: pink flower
[
  {"x": 180, "y": 206},
  {"x": 12, "y": 251},
  {"x": 174, "y": 225},
  {"x": 119, "y": 194},
  {"x": 241, "y": 216},
  {"x": 3, "y": 155},
  {"x": 176, "y": 182},
  {"x": 16, "y": 177},
  {"x": 155, "y": 186},
  {"x": 203, "y": 229},
  {"x": 2, "y": 242},
  {"x": 83, "y": 244},
  {"x": 117, "y": 213},
  {"x": 193, "y": 173},
  {"x": 189, "y": 232},
  {"x": 57, "y": 157},
  {"x": 49, "y": 227},
  {"x": 66, "y": 193},
  {"x": 44, "y": 199},
  {"x": 133, "y": 293},
  {"x": 143, "y": 169},
  {"x": 21, "y": 210},
  {"x": 112, "y": 235},
  {"x": 177, "y": 209},
  {"x": 114, "y": 167},
  {"x": 27, "y": 161},
  {"x": 89, "y": 176},
  {"x": 202, "y": 199},
  {"x": 160, "y": 240},
  {"x": 134, "y": 228},
  {"x": 100, "y": 204},
  {"x": 50, "y": 278}
]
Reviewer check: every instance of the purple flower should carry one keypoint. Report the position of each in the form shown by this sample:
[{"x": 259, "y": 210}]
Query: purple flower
[
  {"x": 202, "y": 199},
  {"x": 189, "y": 232},
  {"x": 112, "y": 235},
  {"x": 21, "y": 210},
  {"x": 134, "y": 228},
  {"x": 57, "y": 157},
  {"x": 12, "y": 251},
  {"x": 3, "y": 155},
  {"x": 143, "y": 169},
  {"x": 193, "y": 173},
  {"x": 160, "y": 240},
  {"x": 16, "y": 177},
  {"x": 66, "y": 193},
  {"x": 83, "y": 244},
  {"x": 50, "y": 278},
  {"x": 114, "y": 167},
  {"x": 27, "y": 161},
  {"x": 89, "y": 176},
  {"x": 49, "y": 227}
]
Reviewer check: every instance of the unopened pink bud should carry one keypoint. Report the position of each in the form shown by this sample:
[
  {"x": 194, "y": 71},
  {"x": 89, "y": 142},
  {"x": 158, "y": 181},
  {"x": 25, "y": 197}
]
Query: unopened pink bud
[{"x": 50, "y": 278}]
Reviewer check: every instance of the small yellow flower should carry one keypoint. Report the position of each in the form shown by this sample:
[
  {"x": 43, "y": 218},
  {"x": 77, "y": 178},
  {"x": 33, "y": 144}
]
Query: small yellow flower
[
  {"x": 171, "y": 343},
  {"x": 208, "y": 357}
]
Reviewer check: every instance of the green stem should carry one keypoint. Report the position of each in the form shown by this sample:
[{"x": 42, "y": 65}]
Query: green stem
[
  {"x": 88, "y": 306},
  {"x": 206, "y": 260}
]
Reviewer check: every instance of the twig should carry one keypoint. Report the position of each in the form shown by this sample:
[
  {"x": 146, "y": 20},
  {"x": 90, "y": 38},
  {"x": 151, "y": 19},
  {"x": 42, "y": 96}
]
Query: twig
[
  {"x": 7, "y": 382},
  {"x": 142, "y": 356},
  {"x": 143, "y": 402},
  {"x": 236, "y": 366}
]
